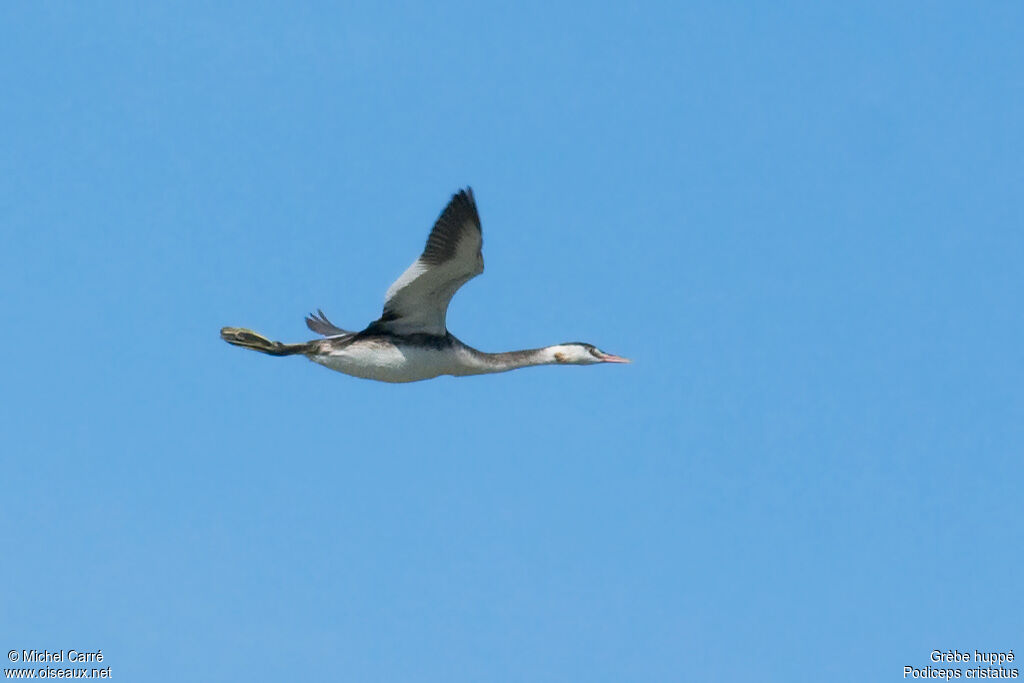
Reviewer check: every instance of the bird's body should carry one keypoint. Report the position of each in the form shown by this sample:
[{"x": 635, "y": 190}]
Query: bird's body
[
  {"x": 410, "y": 341},
  {"x": 395, "y": 359},
  {"x": 410, "y": 358}
]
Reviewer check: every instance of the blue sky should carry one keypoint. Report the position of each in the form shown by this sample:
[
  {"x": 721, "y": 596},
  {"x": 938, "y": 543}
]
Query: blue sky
[{"x": 802, "y": 220}]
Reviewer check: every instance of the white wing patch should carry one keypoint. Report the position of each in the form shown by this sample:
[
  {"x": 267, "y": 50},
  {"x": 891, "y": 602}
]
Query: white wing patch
[{"x": 418, "y": 300}]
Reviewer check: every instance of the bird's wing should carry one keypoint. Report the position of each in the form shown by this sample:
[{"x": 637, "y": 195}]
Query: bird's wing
[
  {"x": 417, "y": 302},
  {"x": 319, "y": 323}
]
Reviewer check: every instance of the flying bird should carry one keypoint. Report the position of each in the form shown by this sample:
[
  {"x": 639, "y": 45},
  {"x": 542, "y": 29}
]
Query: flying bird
[{"x": 411, "y": 341}]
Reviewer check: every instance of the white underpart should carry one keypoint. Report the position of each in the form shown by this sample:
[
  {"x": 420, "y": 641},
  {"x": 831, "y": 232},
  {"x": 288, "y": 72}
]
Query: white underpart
[
  {"x": 411, "y": 363},
  {"x": 390, "y": 363}
]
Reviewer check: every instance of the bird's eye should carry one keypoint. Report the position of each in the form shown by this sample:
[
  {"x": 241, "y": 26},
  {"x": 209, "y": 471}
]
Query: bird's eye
[{"x": 596, "y": 353}]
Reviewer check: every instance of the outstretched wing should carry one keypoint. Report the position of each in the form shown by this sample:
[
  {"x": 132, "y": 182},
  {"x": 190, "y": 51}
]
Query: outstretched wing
[{"x": 417, "y": 302}]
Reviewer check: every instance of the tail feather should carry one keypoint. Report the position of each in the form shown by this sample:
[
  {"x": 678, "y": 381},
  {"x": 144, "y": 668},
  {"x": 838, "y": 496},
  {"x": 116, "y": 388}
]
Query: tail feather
[{"x": 250, "y": 340}]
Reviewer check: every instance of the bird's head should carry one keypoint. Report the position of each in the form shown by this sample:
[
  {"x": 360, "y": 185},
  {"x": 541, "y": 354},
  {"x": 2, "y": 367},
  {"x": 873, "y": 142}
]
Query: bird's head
[{"x": 578, "y": 353}]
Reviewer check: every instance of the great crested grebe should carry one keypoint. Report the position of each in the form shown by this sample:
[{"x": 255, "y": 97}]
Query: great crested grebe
[{"x": 411, "y": 341}]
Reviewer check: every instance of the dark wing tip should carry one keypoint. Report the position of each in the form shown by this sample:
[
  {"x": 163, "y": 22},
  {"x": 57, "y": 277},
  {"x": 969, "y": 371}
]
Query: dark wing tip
[
  {"x": 319, "y": 323},
  {"x": 461, "y": 208},
  {"x": 457, "y": 217}
]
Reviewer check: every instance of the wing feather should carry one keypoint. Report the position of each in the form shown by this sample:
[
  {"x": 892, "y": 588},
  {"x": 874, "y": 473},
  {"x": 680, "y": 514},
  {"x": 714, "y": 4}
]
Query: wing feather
[
  {"x": 418, "y": 300},
  {"x": 319, "y": 323}
]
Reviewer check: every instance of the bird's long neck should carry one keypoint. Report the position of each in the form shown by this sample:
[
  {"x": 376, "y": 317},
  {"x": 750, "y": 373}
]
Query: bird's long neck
[{"x": 479, "y": 362}]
